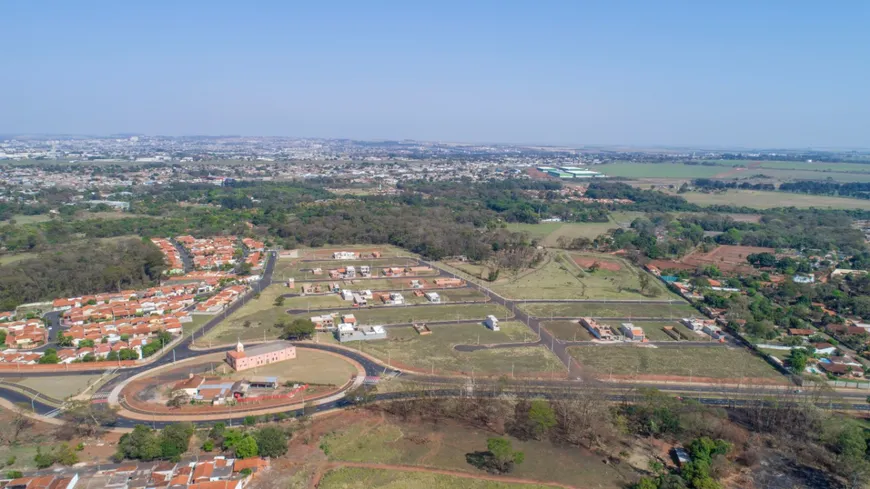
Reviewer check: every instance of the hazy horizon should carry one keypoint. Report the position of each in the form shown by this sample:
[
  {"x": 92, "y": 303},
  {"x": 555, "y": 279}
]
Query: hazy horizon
[{"x": 668, "y": 75}]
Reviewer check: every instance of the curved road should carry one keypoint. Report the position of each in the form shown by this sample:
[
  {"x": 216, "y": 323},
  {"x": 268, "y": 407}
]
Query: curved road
[{"x": 183, "y": 351}]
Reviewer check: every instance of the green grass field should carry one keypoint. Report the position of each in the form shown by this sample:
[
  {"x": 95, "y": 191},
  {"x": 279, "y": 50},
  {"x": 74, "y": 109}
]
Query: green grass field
[
  {"x": 309, "y": 366},
  {"x": 767, "y": 200},
  {"x": 59, "y": 387},
  {"x": 16, "y": 257},
  {"x": 260, "y": 315},
  {"x": 405, "y": 348},
  {"x": 567, "y": 330},
  {"x": 659, "y": 170},
  {"x": 561, "y": 278},
  {"x": 362, "y": 478},
  {"x": 548, "y": 233},
  {"x": 714, "y": 362},
  {"x": 676, "y": 310},
  {"x": 443, "y": 446},
  {"x": 449, "y": 312},
  {"x": 539, "y": 230},
  {"x": 22, "y": 219}
]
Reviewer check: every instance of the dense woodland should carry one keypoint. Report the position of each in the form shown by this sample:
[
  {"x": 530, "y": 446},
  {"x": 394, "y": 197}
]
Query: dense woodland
[{"x": 82, "y": 268}]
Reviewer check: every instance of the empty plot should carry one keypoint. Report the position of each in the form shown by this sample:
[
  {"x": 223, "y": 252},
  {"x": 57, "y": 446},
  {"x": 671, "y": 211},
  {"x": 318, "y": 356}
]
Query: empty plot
[
  {"x": 567, "y": 330},
  {"x": 404, "y": 348},
  {"x": 571, "y": 230},
  {"x": 675, "y": 310},
  {"x": 364, "y": 478},
  {"x": 411, "y": 314},
  {"x": 768, "y": 200},
  {"x": 713, "y": 362}
]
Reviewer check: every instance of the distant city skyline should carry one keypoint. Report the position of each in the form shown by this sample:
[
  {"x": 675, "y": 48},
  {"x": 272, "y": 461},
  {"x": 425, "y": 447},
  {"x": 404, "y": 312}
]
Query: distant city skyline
[{"x": 730, "y": 75}]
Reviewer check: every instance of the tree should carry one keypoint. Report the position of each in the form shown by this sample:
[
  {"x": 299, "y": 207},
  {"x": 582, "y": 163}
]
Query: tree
[
  {"x": 174, "y": 440},
  {"x": 299, "y": 329},
  {"x": 644, "y": 282},
  {"x": 142, "y": 443},
  {"x": 86, "y": 419},
  {"x": 542, "y": 417},
  {"x": 178, "y": 399},
  {"x": 19, "y": 423},
  {"x": 503, "y": 456},
  {"x": 64, "y": 340},
  {"x": 246, "y": 447},
  {"x": 279, "y": 301},
  {"x": 271, "y": 441},
  {"x": 797, "y": 360}
]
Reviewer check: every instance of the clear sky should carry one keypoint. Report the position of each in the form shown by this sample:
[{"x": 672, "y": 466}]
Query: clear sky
[{"x": 764, "y": 73}]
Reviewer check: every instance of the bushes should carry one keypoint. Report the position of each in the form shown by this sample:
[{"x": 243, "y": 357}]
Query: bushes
[
  {"x": 61, "y": 454},
  {"x": 146, "y": 444}
]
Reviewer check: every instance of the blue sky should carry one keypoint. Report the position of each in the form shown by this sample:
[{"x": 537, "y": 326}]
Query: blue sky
[{"x": 724, "y": 73}]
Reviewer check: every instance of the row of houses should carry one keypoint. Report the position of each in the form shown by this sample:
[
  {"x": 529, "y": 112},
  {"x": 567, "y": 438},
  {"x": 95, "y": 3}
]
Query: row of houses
[
  {"x": 175, "y": 265},
  {"x": 210, "y": 253},
  {"x": 603, "y": 332},
  {"x": 221, "y": 300},
  {"x": 26, "y": 333},
  {"x": 112, "y": 311},
  {"x": 218, "y": 472},
  {"x": 130, "y": 328},
  {"x": 707, "y": 326}
]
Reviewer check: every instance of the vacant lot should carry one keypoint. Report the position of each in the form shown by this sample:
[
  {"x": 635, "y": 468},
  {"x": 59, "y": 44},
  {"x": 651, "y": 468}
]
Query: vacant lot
[
  {"x": 726, "y": 258},
  {"x": 411, "y": 314},
  {"x": 561, "y": 278},
  {"x": 713, "y": 362},
  {"x": 571, "y": 230},
  {"x": 567, "y": 330},
  {"x": 60, "y": 387},
  {"x": 676, "y": 310},
  {"x": 252, "y": 320},
  {"x": 372, "y": 439},
  {"x": 365, "y": 478},
  {"x": 25, "y": 219},
  {"x": 767, "y": 200},
  {"x": 404, "y": 348},
  {"x": 539, "y": 231},
  {"x": 12, "y": 258}
]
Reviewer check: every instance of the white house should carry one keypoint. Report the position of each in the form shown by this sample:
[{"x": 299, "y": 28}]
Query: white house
[
  {"x": 433, "y": 297},
  {"x": 491, "y": 322},
  {"x": 397, "y": 298},
  {"x": 347, "y": 295}
]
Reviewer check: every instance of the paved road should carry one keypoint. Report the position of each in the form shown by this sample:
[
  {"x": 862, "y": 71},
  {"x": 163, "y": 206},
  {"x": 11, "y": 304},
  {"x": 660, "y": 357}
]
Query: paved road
[{"x": 183, "y": 351}]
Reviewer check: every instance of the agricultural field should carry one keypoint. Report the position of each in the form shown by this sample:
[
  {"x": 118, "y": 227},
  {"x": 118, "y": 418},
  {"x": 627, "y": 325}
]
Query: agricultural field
[
  {"x": 659, "y": 170},
  {"x": 409, "y": 314},
  {"x": 373, "y": 439},
  {"x": 404, "y": 348},
  {"x": 677, "y": 309},
  {"x": 566, "y": 276},
  {"x": 768, "y": 200},
  {"x": 717, "y": 362}
]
